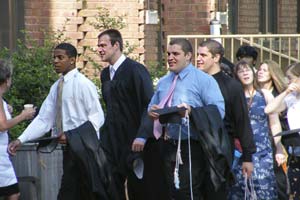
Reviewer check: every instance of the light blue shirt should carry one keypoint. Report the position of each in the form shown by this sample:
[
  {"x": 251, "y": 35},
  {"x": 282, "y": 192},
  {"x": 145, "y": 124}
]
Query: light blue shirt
[{"x": 194, "y": 88}]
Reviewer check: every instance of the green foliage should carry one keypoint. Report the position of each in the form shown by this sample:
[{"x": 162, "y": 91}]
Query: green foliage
[
  {"x": 33, "y": 73},
  {"x": 156, "y": 71},
  {"x": 105, "y": 21}
]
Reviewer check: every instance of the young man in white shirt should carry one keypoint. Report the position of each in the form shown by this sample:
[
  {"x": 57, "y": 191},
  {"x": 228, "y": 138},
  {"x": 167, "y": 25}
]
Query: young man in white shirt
[{"x": 79, "y": 104}]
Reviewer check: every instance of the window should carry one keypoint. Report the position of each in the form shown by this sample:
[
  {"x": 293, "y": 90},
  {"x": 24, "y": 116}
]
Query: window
[
  {"x": 12, "y": 21},
  {"x": 298, "y": 15},
  {"x": 268, "y": 16},
  {"x": 233, "y": 16}
]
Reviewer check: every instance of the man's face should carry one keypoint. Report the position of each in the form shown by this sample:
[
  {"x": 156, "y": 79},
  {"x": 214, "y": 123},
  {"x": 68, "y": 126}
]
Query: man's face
[
  {"x": 62, "y": 62},
  {"x": 105, "y": 49},
  {"x": 205, "y": 60},
  {"x": 177, "y": 59},
  {"x": 249, "y": 60}
]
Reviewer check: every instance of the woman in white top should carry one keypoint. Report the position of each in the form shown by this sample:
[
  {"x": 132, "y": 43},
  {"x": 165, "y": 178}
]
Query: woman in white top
[
  {"x": 8, "y": 182},
  {"x": 290, "y": 100}
]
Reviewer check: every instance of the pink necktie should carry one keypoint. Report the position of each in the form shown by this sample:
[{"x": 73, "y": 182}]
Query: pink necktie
[{"x": 157, "y": 128}]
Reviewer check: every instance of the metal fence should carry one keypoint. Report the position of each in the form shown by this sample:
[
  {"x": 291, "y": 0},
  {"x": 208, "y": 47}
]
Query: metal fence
[{"x": 282, "y": 48}]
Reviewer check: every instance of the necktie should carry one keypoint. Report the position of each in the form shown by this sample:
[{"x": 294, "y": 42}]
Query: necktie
[
  {"x": 58, "y": 109},
  {"x": 157, "y": 128},
  {"x": 111, "y": 72}
]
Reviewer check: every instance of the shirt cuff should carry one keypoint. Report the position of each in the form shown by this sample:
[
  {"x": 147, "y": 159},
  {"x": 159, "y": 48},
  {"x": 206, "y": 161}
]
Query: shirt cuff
[{"x": 141, "y": 139}]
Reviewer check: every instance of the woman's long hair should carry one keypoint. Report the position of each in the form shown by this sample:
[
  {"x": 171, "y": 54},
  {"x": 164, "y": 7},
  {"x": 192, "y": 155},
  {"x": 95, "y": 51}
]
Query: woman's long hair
[{"x": 277, "y": 76}]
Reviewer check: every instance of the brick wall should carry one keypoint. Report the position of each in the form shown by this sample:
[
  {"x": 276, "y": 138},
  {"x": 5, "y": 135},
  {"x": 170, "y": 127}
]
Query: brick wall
[
  {"x": 41, "y": 14},
  {"x": 248, "y": 17},
  {"x": 287, "y": 17},
  {"x": 177, "y": 17},
  {"x": 186, "y": 16}
]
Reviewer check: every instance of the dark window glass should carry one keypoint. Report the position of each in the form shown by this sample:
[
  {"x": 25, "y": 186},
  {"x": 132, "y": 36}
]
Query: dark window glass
[
  {"x": 11, "y": 23},
  {"x": 298, "y": 17},
  {"x": 233, "y": 16},
  {"x": 268, "y": 16}
]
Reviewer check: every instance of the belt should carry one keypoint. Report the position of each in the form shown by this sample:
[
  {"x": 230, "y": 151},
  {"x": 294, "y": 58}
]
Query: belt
[{"x": 184, "y": 141}]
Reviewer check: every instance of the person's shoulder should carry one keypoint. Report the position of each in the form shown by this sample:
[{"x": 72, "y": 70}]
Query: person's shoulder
[
  {"x": 197, "y": 72},
  {"x": 134, "y": 67},
  {"x": 267, "y": 95},
  {"x": 83, "y": 79},
  {"x": 131, "y": 62}
]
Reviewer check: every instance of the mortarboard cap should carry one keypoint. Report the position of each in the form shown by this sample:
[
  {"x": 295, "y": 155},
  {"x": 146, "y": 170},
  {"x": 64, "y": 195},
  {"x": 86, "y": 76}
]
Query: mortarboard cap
[
  {"x": 136, "y": 163},
  {"x": 170, "y": 114}
]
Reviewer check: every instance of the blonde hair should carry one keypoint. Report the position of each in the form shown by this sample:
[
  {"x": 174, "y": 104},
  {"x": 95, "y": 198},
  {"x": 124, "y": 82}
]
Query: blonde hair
[
  {"x": 294, "y": 68},
  {"x": 276, "y": 74}
]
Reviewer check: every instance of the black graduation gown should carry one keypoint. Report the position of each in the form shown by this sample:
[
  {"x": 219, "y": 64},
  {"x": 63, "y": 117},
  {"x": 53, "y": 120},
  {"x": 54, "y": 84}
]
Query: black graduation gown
[{"x": 126, "y": 98}]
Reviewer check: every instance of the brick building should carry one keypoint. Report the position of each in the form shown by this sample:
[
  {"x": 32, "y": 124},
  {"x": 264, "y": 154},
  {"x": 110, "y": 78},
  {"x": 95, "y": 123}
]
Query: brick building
[{"x": 174, "y": 17}]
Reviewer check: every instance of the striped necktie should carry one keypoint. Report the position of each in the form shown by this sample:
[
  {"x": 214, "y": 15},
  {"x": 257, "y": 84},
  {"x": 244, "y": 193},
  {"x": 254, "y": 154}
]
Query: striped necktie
[
  {"x": 111, "y": 72},
  {"x": 58, "y": 118}
]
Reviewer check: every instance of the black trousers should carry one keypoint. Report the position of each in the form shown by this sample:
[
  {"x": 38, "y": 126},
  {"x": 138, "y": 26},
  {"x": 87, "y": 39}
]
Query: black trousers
[
  {"x": 73, "y": 185},
  {"x": 154, "y": 181},
  {"x": 201, "y": 185},
  {"x": 135, "y": 186}
]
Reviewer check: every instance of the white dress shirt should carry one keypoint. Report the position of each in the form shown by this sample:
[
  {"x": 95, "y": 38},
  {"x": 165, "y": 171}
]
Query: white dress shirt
[
  {"x": 113, "y": 68},
  {"x": 80, "y": 103}
]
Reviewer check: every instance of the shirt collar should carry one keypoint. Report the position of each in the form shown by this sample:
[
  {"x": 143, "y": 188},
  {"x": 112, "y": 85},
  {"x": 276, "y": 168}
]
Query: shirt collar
[
  {"x": 118, "y": 62},
  {"x": 184, "y": 71},
  {"x": 70, "y": 74}
]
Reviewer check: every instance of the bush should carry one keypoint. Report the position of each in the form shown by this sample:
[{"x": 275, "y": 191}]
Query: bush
[{"x": 33, "y": 75}]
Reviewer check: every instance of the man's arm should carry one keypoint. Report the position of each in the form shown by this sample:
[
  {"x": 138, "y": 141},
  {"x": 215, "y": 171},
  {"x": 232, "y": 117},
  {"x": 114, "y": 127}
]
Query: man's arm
[
  {"x": 92, "y": 104},
  {"x": 211, "y": 94},
  {"x": 144, "y": 91},
  {"x": 39, "y": 126}
]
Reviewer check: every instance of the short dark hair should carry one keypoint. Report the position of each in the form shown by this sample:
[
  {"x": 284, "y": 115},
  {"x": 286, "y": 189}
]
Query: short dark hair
[
  {"x": 214, "y": 47},
  {"x": 69, "y": 48},
  {"x": 114, "y": 35},
  {"x": 243, "y": 64},
  {"x": 186, "y": 46},
  {"x": 5, "y": 70},
  {"x": 246, "y": 51}
]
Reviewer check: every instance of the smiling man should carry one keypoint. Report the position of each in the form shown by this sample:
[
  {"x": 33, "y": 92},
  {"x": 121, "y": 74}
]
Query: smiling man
[
  {"x": 210, "y": 53},
  {"x": 193, "y": 89}
]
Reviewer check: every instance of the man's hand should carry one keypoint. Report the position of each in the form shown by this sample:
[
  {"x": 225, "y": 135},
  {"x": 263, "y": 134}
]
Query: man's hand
[
  {"x": 188, "y": 109},
  {"x": 152, "y": 112},
  {"x": 138, "y": 145},
  {"x": 62, "y": 139},
  {"x": 13, "y": 147},
  {"x": 247, "y": 168}
]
